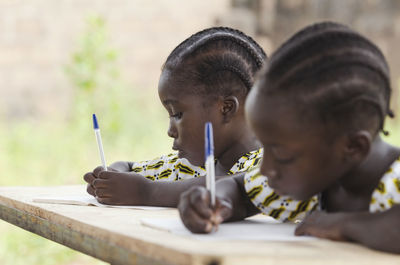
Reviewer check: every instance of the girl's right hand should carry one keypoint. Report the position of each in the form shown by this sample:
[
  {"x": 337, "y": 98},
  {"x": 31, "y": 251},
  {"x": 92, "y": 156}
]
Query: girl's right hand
[
  {"x": 91, "y": 176},
  {"x": 196, "y": 211}
]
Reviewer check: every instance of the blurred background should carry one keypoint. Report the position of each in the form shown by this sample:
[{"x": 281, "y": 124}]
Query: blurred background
[{"x": 61, "y": 61}]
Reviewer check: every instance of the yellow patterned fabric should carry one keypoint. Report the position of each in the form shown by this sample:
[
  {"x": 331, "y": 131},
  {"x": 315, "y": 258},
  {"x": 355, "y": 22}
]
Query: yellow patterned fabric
[
  {"x": 269, "y": 203},
  {"x": 284, "y": 209},
  {"x": 387, "y": 193},
  {"x": 172, "y": 168}
]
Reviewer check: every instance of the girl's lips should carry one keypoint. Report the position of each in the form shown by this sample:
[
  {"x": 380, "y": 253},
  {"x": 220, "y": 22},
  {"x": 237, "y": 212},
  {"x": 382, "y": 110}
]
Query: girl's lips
[{"x": 273, "y": 184}]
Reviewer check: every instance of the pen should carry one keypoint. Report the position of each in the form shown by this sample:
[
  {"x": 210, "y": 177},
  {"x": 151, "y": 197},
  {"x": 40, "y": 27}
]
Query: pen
[
  {"x": 99, "y": 143},
  {"x": 210, "y": 163}
]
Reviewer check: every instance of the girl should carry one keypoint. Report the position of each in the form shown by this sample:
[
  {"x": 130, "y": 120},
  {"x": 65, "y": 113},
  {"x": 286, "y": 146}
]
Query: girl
[
  {"x": 318, "y": 109},
  {"x": 206, "y": 78}
]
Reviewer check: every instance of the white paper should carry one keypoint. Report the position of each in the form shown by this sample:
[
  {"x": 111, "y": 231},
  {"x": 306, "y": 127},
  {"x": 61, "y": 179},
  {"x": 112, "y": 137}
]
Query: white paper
[
  {"x": 88, "y": 200},
  {"x": 264, "y": 229}
]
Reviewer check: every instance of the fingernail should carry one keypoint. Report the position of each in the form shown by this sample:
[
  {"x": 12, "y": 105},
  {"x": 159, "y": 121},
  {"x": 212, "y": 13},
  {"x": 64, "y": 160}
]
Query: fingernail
[
  {"x": 218, "y": 219},
  {"x": 209, "y": 227}
]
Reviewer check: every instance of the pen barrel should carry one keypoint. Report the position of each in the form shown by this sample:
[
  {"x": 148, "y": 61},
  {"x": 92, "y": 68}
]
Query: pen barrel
[
  {"x": 210, "y": 177},
  {"x": 100, "y": 146}
]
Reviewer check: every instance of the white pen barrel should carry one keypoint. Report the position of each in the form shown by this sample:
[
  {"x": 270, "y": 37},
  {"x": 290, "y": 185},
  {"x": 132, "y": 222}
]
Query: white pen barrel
[
  {"x": 100, "y": 146},
  {"x": 210, "y": 177}
]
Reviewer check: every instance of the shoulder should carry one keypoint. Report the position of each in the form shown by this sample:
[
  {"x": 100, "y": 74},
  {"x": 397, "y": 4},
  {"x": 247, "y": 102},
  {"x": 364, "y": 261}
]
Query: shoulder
[
  {"x": 270, "y": 203},
  {"x": 247, "y": 162}
]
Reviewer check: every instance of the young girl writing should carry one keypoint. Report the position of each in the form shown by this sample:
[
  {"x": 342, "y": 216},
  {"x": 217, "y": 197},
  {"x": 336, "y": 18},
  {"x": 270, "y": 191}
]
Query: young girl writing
[
  {"x": 206, "y": 78},
  {"x": 318, "y": 109}
]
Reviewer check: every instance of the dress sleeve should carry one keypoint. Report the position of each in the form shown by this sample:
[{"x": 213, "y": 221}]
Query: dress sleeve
[
  {"x": 270, "y": 203},
  {"x": 167, "y": 168},
  {"x": 247, "y": 162},
  {"x": 387, "y": 193}
]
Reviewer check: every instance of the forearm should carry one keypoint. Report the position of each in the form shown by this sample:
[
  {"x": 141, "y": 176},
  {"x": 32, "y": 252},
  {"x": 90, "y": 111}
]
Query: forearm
[
  {"x": 379, "y": 231},
  {"x": 122, "y": 166},
  {"x": 232, "y": 190},
  {"x": 167, "y": 193}
]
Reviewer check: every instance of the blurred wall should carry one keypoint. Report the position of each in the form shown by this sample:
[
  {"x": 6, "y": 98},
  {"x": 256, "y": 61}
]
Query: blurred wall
[
  {"x": 276, "y": 20},
  {"x": 38, "y": 36}
]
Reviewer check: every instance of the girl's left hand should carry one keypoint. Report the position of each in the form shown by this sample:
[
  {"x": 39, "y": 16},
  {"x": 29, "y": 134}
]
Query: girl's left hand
[{"x": 324, "y": 225}]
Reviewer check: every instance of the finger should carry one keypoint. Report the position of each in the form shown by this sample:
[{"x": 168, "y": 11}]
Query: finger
[
  {"x": 89, "y": 177},
  {"x": 223, "y": 211},
  {"x": 192, "y": 220},
  {"x": 102, "y": 193},
  {"x": 100, "y": 183},
  {"x": 105, "y": 174},
  {"x": 302, "y": 230},
  {"x": 97, "y": 171},
  {"x": 199, "y": 200},
  {"x": 105, "y": 200},
  {"x": 90, "y": 190}
]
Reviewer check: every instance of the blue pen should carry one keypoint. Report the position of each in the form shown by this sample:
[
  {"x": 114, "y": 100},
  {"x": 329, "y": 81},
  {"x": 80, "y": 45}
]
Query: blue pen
[
  {"x": 99, "y": 143},
  {"x": 210, "y": 163}
]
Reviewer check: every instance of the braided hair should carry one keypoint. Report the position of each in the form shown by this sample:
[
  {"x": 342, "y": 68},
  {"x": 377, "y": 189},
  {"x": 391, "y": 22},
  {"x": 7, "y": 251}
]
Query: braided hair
[
  {"x": 217, "y": 61},
  {"x": 334, "y": 74}
]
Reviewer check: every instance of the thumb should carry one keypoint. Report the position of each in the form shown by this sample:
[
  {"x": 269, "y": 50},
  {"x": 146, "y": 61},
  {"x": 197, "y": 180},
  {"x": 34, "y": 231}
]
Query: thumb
[
  {"x": 112, "y": 169},
  {"x": 104, "y": 175},
  {"x": 301, "y": 230},
  {"x": 223, "y": 211}
]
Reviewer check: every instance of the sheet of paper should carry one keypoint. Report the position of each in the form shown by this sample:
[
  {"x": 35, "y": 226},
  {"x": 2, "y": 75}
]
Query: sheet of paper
[
  {"x": 266, "y": 229},
  {"x": 88, "y": 200}
]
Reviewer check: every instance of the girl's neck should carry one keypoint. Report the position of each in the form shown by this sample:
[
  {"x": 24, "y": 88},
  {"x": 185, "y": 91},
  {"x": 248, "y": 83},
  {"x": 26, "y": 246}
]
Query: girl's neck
[{"x": 246, "y": 143}]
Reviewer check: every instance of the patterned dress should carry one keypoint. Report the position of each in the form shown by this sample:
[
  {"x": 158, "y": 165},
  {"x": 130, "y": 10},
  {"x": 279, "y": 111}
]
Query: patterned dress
[
  {"x": 172, "y": 168},
  {"x": 284, "y": 209},
  {"x": 387, "y": 193}
]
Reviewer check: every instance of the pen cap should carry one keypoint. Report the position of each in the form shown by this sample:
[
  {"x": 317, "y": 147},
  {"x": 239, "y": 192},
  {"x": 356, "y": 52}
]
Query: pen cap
[
  {"x": 95, "y": 124},
  {"x": 209, "y": 140}
]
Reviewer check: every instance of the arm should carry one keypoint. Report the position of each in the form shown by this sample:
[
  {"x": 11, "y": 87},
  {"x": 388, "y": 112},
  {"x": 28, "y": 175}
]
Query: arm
[
  {"x": 132, "y": 189},
  {"x": 379, "y": 231}
]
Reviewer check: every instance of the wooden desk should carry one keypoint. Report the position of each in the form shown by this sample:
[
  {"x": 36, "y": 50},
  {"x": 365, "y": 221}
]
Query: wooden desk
[{"x": 116, "y": 236}]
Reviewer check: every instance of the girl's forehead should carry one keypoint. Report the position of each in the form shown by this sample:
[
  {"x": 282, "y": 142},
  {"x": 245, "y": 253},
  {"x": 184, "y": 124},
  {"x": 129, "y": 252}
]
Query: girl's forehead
[
  {"x": 171, "y": 84},
  {"x": 278, "y": 114}
]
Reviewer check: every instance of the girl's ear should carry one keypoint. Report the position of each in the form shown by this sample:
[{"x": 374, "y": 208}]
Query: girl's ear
[
  {"x": 358, "y": 145},
  {"x": 230, "y": 106}
]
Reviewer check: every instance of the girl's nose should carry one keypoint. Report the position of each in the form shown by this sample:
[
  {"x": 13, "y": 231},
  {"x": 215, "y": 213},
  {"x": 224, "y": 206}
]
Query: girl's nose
[
  {"x": 172, "y": 132},
  {"x": 267, "y": 168}
]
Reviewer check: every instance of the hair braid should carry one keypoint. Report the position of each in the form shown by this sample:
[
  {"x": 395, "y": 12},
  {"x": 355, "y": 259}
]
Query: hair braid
[
  {"x": 215, "y": 57},
  {"x": 343, "y": 75}
]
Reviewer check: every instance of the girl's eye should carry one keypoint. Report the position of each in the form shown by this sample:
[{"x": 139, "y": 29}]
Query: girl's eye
[
  {"x": 177, "y": 115},
  {"x": 285, "y": 161},
  {"x": 282, "y": 156}
]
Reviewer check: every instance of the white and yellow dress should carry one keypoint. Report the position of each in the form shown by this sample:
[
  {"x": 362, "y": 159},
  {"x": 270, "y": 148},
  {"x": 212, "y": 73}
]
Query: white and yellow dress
[
  {"x": 172, "y": 168},
  {"x": 283, "y": 208}
]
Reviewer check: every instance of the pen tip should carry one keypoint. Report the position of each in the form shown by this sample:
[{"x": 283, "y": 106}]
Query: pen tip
[{"x": 95, "y": 123}]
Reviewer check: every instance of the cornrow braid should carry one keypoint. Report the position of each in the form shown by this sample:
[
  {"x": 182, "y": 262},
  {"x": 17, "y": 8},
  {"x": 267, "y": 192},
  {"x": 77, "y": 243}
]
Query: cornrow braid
[
  {"x": 335, "y": 73},
  {"x": 218, "y": 60}
]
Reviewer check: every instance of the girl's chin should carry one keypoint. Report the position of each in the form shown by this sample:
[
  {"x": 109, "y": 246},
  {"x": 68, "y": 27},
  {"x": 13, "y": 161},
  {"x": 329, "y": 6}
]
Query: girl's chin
[{"x": 194, "y": 161}]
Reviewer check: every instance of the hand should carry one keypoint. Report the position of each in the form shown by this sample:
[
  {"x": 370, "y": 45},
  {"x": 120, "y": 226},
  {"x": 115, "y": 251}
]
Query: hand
[
  {"x": 324, "y": 225},
  {"x": 117, "y": 188},
  {"x": 196, "y": 211},
  {"x": 90, "y": 177}
]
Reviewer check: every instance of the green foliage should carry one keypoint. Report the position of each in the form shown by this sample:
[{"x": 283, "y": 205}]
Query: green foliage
[{"x": 45, "y": 152}]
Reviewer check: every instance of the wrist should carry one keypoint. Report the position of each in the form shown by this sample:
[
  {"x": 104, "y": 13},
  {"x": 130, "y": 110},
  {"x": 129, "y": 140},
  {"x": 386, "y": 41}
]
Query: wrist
[
  {"x": 352, "y": 223},
  {"x": 146, "y": 193}
]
